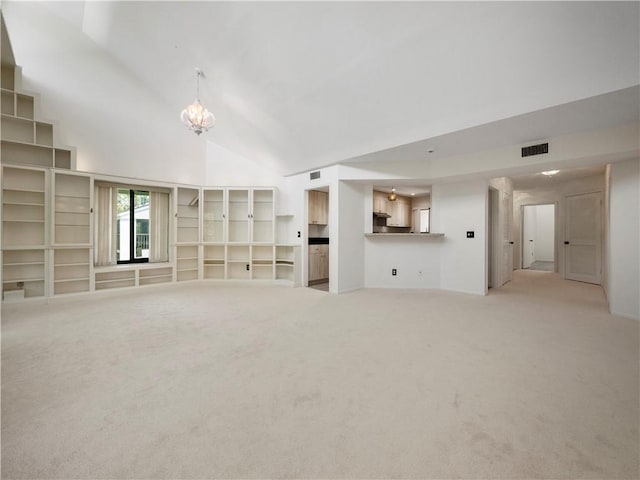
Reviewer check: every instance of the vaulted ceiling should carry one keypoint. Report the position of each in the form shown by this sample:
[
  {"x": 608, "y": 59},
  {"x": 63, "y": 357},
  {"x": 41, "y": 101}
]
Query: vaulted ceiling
[{"x": 300, "y": 85}]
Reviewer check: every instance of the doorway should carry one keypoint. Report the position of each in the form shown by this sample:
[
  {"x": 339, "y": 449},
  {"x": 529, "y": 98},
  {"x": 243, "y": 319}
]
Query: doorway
[
  {"x": 318, "y": 236},
  {"x": 539, "y": 237}
]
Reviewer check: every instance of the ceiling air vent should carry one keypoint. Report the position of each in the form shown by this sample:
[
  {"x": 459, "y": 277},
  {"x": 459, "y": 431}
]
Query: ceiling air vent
[
  {"x": 539, "y": 149},
  {"x": 314, "y": 175}
]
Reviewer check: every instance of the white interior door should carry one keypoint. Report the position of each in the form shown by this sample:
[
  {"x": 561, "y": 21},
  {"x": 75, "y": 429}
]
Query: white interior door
[
  {"x": 583, "y": 238},
  {"x": 506, "y": 214},
  {"x": 528, "y": 236}
]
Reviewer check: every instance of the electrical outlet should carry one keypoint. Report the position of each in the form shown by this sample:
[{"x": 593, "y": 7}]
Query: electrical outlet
[
  {"x": 394, "y": 271},
  {"x": 471, "y": 234},
  {"x": 247, "y": 267},
  {"x": 298, "y": 233}
]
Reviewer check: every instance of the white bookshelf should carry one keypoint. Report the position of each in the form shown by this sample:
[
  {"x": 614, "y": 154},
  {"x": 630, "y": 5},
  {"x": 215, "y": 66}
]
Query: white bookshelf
[
  {"x": 262, "y": 216},
  {"x": 71, "y": 270},
  {"x": 23, "y": 273},
  {"x": 214, "y": 262},
  {"x": 187, "y": 261},
  {"x": 187, "y": 213},
  {"x": 23, "y": 207},
  {"x": 213, "y": 211},
  {"x": 72, "y": 209},
  {"x": 262, "y": 264}
]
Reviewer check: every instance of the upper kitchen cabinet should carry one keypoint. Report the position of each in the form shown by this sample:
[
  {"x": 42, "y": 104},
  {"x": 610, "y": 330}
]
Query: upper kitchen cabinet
[
  {"x": 379, "y": 202},
  {"x": 400, "y": 212},
  {"x": 318, "y": 207}
]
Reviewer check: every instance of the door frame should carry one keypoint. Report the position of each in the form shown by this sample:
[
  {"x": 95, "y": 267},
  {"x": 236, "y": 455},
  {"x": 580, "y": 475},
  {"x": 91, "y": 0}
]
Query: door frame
[
  {"x": 494, "y": 241},
  {"x": 556, "y": 236},
  {"x": 305, "y": 230}
]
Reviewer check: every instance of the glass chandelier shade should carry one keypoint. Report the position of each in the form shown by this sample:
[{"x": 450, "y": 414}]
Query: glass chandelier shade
[{"x": 196, "y": 117}]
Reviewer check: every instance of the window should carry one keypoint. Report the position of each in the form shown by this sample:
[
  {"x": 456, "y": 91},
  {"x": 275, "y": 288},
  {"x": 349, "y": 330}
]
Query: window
[
  {"x": 132, "y": 238},
  {"x": 132, "y": 225}
]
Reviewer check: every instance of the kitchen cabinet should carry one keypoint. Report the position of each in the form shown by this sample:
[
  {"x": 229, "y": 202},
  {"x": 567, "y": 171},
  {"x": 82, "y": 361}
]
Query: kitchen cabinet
[
  {"x": 379, "y": 202},
  {"x": 400, "y": 211},
  {"x": 318, "y": 263},
  {"x": 318, "y": 207}
]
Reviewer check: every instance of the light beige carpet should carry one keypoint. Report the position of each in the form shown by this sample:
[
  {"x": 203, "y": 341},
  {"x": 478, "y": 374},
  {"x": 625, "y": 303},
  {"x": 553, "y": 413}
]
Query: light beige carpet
[{"x": 536, "y": 380}]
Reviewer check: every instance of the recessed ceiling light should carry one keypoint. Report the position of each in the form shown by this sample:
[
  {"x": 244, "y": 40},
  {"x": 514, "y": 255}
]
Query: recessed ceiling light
[
  {"x": 413, "y": 194},
  {"x": 548, "y": 173}
]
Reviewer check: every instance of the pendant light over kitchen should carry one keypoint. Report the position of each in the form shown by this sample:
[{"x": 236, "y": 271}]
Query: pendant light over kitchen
[{"x": 392, "y": 196}]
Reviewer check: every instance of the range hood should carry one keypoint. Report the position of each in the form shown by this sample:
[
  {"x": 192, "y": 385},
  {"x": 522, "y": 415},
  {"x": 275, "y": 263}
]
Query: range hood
[{"x": 381, "y": 215}]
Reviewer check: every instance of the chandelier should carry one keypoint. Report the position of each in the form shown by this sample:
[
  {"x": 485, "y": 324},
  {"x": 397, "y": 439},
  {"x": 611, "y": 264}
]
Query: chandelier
[{"x": 196, "y": 117}]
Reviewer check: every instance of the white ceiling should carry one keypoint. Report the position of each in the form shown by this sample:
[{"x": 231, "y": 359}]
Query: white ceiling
[
  {"x": 538, "y": 180},
  {"x": 298, "y": 85}
]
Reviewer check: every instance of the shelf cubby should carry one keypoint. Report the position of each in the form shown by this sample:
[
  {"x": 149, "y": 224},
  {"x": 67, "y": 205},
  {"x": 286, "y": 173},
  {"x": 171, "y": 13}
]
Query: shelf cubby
[
  {"x": 7, "y": 77},
  {"x": 152, "y": 276},
  {"x": 24, "y": 106},
  {"x": 214, "y": 261},
  {"x": 62, "y": 158},
  {"x": 72, "y": 209},
  {"x": 23, "y": 271},
  {"x": 187, "y": 262},
  {"x": 20, "y": 153},
  {"x": 15, "y": 129},
  {"x": 115, "y": 279},
  {"x": 23, "y": 207},
  {"x": 44, "y": 134},
  {"x": 8, "y": 104},
  {"x": 71, "y": 270}
]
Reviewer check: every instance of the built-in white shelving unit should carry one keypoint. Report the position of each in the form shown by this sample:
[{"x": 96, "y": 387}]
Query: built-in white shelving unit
[
  {"x": 72, "y": 209},
  {"x": 25, "y": 140},
  {"x": 188, "y": 216},
  {"x": 214, "y": 216},
  {"x": 221, "y": 233},
  {"x": 71, "y": 270},
  {"x": 214, "y": 262},
  {"x": 187, "y": 262}
]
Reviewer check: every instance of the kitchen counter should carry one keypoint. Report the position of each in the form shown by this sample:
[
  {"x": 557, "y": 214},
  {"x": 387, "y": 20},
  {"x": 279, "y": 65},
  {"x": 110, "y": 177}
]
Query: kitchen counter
[{"x": 419, "y": 235}]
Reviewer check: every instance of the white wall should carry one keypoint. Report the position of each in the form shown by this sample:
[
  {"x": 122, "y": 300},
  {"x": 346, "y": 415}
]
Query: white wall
[
  {"x": 456, "y": 209},
  {"x": 623, "y": 241},
  {"x": 350, "y": 238},
  {"x": 224, "y": 167},
  {"x": 545, "y": 233},
  {"x": 417, "y": 261}
]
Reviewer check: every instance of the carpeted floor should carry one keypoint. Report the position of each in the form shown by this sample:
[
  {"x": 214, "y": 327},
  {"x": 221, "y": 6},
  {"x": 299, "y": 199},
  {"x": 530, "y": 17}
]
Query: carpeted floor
[{"x": 535, "y": 380}]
